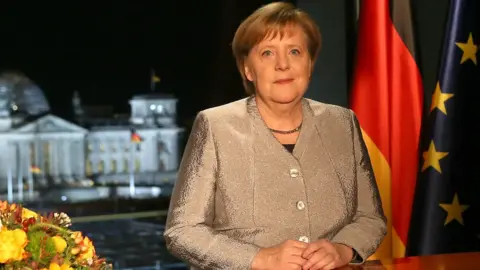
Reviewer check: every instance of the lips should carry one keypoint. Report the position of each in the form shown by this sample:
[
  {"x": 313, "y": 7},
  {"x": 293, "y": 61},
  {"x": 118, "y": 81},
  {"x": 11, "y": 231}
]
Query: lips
[{"x": 283, "y": 81}]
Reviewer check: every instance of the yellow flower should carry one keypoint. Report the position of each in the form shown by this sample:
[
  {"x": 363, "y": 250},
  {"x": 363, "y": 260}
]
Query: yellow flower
[
  {"x": 13, "y": 244},
  {"x": 60, "y": 243},
  {"x": 3, "y": 206},
  {"x": 27, "y": 213},
  {"x": 55, "y": 266},
  {"x": 75, "y": 250},
  {"x": 78, "y": 237},
  {"x": 87, "y": 249}
]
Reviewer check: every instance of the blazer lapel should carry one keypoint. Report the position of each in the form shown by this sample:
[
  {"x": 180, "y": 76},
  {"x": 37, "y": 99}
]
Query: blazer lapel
[
  {"x": 264, "y": 141},
  {"x": 267, "y": 140},
  {"x": 317, "y": 153},
  {"x": 321, "y": 130},
  {"x": 307, "y": 133}
]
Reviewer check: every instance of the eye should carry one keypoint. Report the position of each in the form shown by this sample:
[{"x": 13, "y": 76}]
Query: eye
[
  {"x": 267, "y": 53},
  {"x": 295, "y": 52}
]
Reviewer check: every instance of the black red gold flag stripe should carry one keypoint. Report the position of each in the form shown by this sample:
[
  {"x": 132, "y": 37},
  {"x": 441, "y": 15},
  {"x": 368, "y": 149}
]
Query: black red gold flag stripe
[
  {"x": 135, "y": 137},
  {"x": 446, "y": 213},
  {"x": 387, "y": 97}
]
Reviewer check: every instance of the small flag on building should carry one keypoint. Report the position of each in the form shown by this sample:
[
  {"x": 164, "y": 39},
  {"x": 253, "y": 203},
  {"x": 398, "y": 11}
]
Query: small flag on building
[
  {"x": 154, "y": 79},
  {"x": 135, "y": 137},
  {"x": 35, "y": 169}
]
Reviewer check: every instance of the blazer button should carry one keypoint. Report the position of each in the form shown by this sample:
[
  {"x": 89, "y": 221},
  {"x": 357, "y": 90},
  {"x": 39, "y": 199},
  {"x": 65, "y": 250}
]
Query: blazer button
[
  {"x": 303, "y": 239},
  {"x": 293, "y": 173},
  {"x": 300, "y": 205}
]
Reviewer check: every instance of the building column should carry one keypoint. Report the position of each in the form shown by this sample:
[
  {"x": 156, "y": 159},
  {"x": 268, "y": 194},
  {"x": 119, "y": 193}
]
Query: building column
[
  {"x": 81, "y": 155},
  {"x": 173, "y": 151},
  {"x": 107, "y": 156},
  {"x": 115, "y": 149},
  {"x": 67, "y": 154},
  {"x": 30, "y": 164},
  {"x": 176, "y": 149},
  {"x": 40, "y": 160},
  {"x": 55, "y": 161},
  {"x": 160, "y": 152},
  {"x": 74, "y": 158},
  {"x": 11, "y": 164},
  {"x": 20, "y": 169}
]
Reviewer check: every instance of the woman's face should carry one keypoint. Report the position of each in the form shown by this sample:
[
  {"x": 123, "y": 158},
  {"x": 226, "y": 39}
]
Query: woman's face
[{"x": 280, "y": 68}]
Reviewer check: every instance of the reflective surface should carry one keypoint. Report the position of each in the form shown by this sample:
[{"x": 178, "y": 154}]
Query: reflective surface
[
  {"x": 130, "y": 244},
  {"x": 118, "y": 233}
]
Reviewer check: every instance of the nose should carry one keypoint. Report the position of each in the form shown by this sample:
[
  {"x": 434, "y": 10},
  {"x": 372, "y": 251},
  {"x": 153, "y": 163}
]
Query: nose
[{"x": 282, "y": 63}]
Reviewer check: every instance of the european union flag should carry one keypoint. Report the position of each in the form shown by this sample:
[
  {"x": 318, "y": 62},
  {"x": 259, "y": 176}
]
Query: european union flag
[{"x": 446, "y": 211}]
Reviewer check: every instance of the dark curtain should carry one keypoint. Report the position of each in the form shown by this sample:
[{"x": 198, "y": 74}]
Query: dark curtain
[{"x": 225, "y": 80}]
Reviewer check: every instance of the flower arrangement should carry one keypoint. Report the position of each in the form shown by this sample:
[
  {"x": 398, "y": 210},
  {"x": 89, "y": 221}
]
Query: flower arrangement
[{"x": 30, "y": 241}]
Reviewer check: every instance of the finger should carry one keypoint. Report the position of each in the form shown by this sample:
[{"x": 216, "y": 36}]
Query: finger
[
  {"x": 330, "y": 266},
  {"x": 313, "y": 247},
  {"x": 316, "y": 246},
  {"x": 298, "y": 244},
  {"x": 315, "y": 258},
  {"x": 307, "y": 252},
  {"x": 295, "y": 251},
  {"x": 325, "y": 244},
  {"x": 293, "y": 266},
  {"x": 296, "y": 260},
  {"x": 327, "y": 249},
  {"x": 327, "y": 260}
]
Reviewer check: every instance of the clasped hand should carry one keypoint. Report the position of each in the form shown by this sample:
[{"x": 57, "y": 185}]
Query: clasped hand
[
  {"x": 323, "y": 254},
  {"x": 318, "y": 255}
]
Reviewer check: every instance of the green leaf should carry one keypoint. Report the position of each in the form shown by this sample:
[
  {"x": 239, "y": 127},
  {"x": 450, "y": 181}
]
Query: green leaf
[{"x": 41, "y": 247}]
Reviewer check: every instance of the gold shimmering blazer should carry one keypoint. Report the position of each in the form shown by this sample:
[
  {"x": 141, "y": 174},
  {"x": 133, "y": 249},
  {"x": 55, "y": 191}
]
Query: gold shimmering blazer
[{"x": 239, "y": 189}]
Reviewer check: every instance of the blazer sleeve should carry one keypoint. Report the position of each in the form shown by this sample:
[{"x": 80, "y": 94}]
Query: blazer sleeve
[
  {"x": 368, "y": 228},
  {"x": 188, "y": 233}
]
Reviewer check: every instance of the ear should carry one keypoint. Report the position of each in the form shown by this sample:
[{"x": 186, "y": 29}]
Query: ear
[
  {"x": 311, "y": 64},
  {"x": 248, "y": 73}
]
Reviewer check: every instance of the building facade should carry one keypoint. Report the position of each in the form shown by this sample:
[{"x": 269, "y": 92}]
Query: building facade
[{"x": 41, "y": 149}]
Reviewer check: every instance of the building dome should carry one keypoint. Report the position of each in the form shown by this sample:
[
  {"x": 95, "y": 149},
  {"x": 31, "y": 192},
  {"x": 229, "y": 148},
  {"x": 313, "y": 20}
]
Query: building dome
[{"x": 18, "y": 94}]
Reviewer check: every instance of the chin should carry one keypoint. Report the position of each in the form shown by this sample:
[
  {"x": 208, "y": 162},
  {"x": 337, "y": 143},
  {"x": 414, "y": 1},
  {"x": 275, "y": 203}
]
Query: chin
[
  {"x": 285, "y": 99},
  {"x": 286, "y": 94}
]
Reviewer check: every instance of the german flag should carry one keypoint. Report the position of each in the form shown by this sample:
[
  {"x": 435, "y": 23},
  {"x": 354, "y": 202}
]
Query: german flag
[
  {"x": 154, "y": 79},
  {"x": 387, "y": 97},
  {"x": 35, "y": 169},
  {"x": 134, "y": 137}
]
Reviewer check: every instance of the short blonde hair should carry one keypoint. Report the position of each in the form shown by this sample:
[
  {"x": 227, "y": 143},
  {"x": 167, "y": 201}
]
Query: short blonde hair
[{"x": 270, "y": 20}]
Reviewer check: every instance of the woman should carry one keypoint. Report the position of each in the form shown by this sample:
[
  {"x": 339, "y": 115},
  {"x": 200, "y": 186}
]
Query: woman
[{"x": 275, "y": 181}]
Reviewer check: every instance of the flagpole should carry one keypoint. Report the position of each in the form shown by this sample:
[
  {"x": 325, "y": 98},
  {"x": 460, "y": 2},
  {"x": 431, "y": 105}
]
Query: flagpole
[
  {"x": 19, "y": 172},
  {"x": 9, "y": 179},
  {"x": 30, "y": 174},
  {"x": 10, "y": 183},
  {"x": 152, "y": 80},
  {"x": 132, "y": 175}
]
